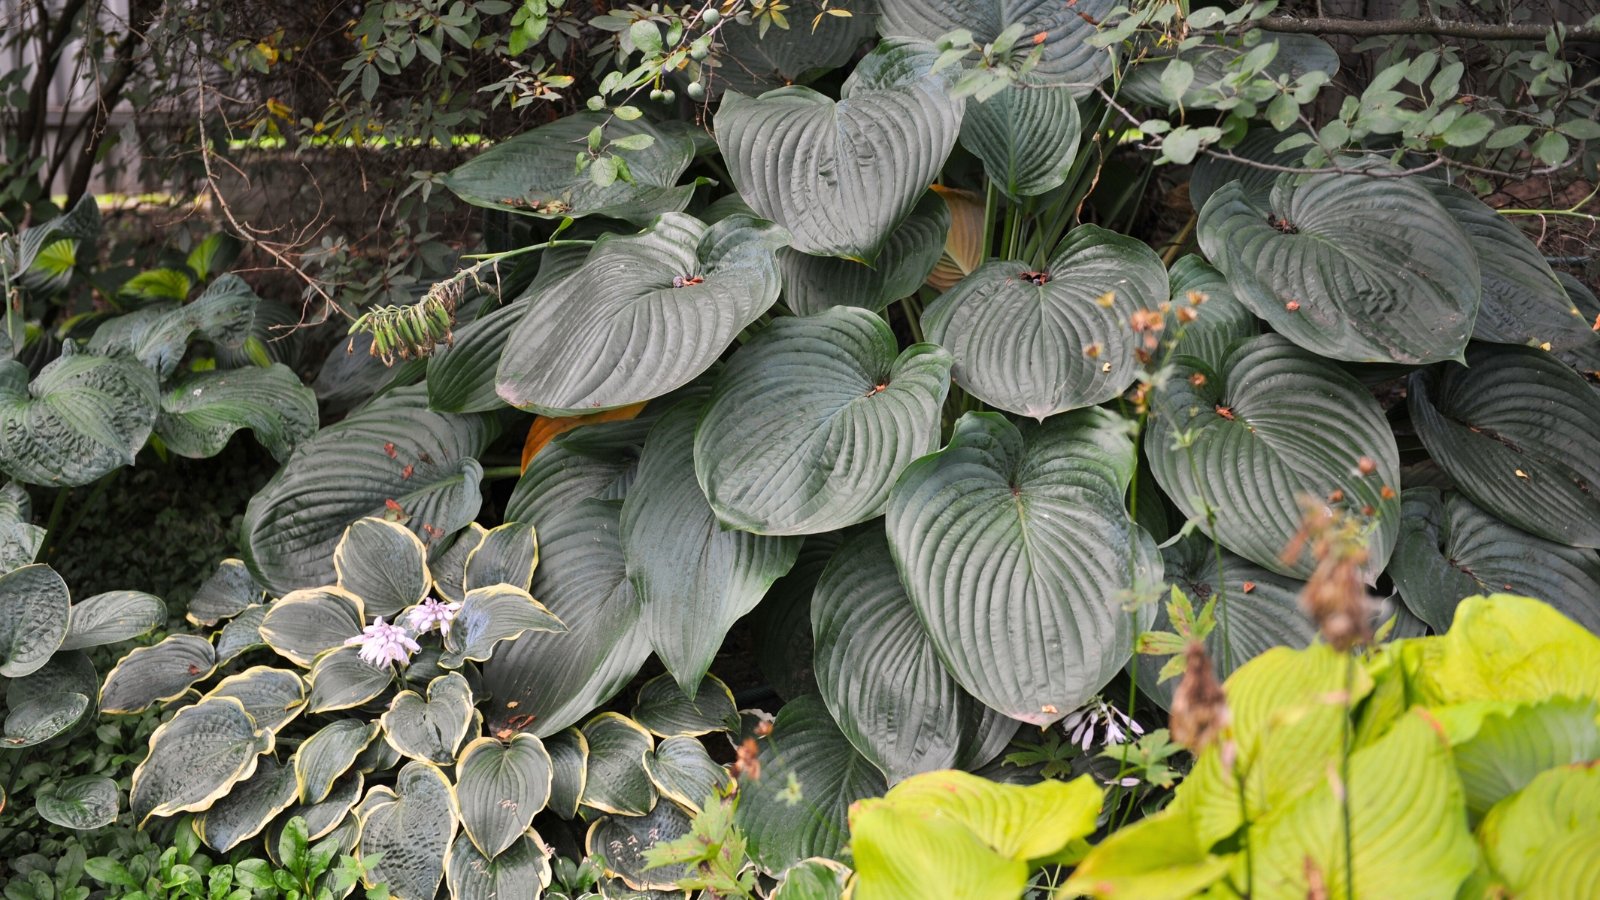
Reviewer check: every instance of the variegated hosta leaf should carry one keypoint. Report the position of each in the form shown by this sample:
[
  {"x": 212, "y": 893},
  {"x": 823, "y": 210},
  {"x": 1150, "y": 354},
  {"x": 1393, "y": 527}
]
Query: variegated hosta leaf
[
  {"x": 35, "y": 608},
  {"x": 569, "y": 766},
  {"x": 201, "y": 411},
  {"x": 622, "y": 841},
  {"x": 158, "y": 338},
  {"x": 149, "y": 675},
  {"x": 197, "y": 757},
  {"x": 78, "y": 228},
  {"x": 300, "y": 626},
  {"x": 81, "y": 803},
  {"x": 1273, "y": 424},
  {"x": 82, "y": 417},
  {"x": 1040, "y": 342},
  {"x": 20, "y": 540},
  {"x": 532, "y": 174},
  {"x": 449, "y": 569},
  {"x": 662, "y": 708},
  {"x": 1221, "y": 319},
  {"x": 273, "y": 697},
  {"x": 489, "y": 615},
  {"x": 1065, "y": 56},
  {"x": 325, "y": 815},
  {"x": 1026, "y": 135},
  {"x": 1029, "y": 524},
  {"x": 694, "y": 579},
  {"x": 68, "y": 672},
  {"x": 840, "y": 176},
  {"x": 243, "y": 632},
  {"x": 42, "y": 717},
  {"x": 812, "y": 421},
  {"x": 812, "y": 284},
  {"x": 224, "y": 594},
  {"x": 327, "y": 755},
  {"x": 248, "y": 807},
  {"x": 410, "y": 834},
  {"x": 556, "y": 678},
  {"x": 644, "y": 315},
  {"x": 524, "y": 868},
  {"x": 1214, "y": 59},
  {"x": 384, "y": 564},
  {"x": 1348, "y": 266},
  {"x": 684, "y": 773},
  {"x": 431, "y": 729},
  {"x": 757, "y": 57},
  {"x": 1519, "y": 432},
  {"x": 616, "y": 781},
  {"x": 113, "y": 617},
  {"x": 500, "y": 788},
  {"x": 506, "y": 555},
  {"x": 341, "y": 679},
  {"x": 393, "y": 450}
]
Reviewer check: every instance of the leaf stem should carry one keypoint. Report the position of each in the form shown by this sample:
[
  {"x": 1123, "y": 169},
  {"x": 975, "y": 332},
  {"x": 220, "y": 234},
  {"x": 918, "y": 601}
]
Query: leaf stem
[{"x": 496, "y": 473}]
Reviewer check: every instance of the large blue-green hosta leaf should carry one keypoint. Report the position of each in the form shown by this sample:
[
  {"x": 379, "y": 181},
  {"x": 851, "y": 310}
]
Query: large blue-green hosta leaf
[
  {"x": 407, "y": 831},
  {"x": 693, "y": 578},
  {"x": 812, "y": 284},
  {"x": 1272, "y": 425},
  {"x": 1026, "y": 135},
  {"x": 20, "y": 539},
  {"x": 1065, "y": 56},
  {"x": 201, "y": 411},
  {"x": 840, "y": 175},
  {"x": 224, "y": 314},
  {"x": 757, "y": 57},
  {"x": 643, "y": 316},
  {"x": 1039, "y": 342},
  {"x": 1213, "y": 59},
  {"x": 1221, "y": 320},
  {"x": 1010, "y": 525},
  {"x": 196, "y": 757},
  {"x": 534, "y": 173},
  {"x": 1350, "y": 266},
  {"x": 812, "y": 421},
  {"x": 1519, "y": 432},
  {"x": 84, "y": 416},
  {"x": 393, "y": 449},
  {"x": 33, "y": 256}
]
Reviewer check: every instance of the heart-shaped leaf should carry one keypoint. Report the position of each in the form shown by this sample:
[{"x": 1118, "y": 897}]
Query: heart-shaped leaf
[
  {"x": 840, "y": 176},
  {"x": 559, "y": 478},
  {"x": 523, "y": 867},
  {"x": 195, "y": 757},
  {"x": 569, "y": 763},
  {"x": 392, "y": 451},
  {"x": 150, "y": 675},
  {"x": 1040, "y": 342},
  {"x": 407, "y": 837},
  {"x": 812, "y": 284},
  {"x": 224, "y": 594},
  {"x": 664, "y": 710},
  {"x": 1273, "y": 424},
  {"x": 35, "y": 609},
  {"x": 384, "y": 564},
  {"x": 42, "y": 717},
  {"x": 506, "y": 555},
  {"x": 81, "y": 803},
  {"x": 247, "y": 808},
  {"x": 431, "y": 729},
  {"x": 325, "y": 756},
  {"x": 79, "y": 227},
  {"x": 616, "y": 781},
  {"x": 489, "y": 615},
  {"x": 1520, "y": 434},
  {"x": 812, "y": 421},
  {"x": 693, "y": 579},
  {"x": 20, "y": 540},
  {"x": 300, "y": 626},
  {"x": 1065, "y": 56},
  {"x": 158, "y": 338},
  {"x": 449, "y": 569},
  {"x": 1449, "y": 550},
  {"x": 273, "y": 697},
  {"x": 113, "y": 617},
  {"x": 1507, "y": 746},
  {"x": 1028, "y": 524},
  {"x": 68, "y": 672},
  {"x": 1350, "y": 266},
  {"x": 82, "y": 417},
  {"x": 533, "y": 173},
  {"x": 644, "y": 316},
  {"x": 622, "y": 842},
  {"x": 202, "y": 410},
  {"x": 500, "y": 787},
  {"x": 322, "y": 818},
  {"x": 1220, "y": 319},
  {"x": 1026, "y": 135},
  {"x": 341, "y": 679},
  {"x": 684, "y": 773},
  {"x": 552, "y": 680}
]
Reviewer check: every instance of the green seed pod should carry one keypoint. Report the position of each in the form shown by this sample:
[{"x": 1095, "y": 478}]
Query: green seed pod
[
  {"x": 696, "y": 91},
  {"x": 710, "y": 17},
  {"x": 669, "y": 95}
]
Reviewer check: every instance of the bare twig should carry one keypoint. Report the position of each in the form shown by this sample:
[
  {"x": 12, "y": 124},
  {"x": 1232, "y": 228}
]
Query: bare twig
[{"x": 1421, "y": 25}]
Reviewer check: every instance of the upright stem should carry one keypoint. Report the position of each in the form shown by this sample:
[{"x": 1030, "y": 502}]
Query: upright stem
[
  {"x": 1344, "y": 778},
  {"x": 991, "y": 210}
]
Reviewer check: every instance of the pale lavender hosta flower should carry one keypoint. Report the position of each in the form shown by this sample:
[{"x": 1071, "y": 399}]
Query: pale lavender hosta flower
[
  {"x": 382, "y": 643},
  {"x": 431, "y": 614},
  {"x": 1114, "y": 725}
]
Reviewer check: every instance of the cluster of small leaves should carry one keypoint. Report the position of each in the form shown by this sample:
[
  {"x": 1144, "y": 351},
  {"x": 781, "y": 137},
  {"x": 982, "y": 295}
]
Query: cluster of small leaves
[
  {"x": 1187, "y": 628},
  {"x": 714, "y": 850},
  {"x": 988, "y": 68}
]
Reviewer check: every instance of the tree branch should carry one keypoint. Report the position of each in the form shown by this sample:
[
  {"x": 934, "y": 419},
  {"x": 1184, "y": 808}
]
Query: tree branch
[{"x": 1436, "y": 27}]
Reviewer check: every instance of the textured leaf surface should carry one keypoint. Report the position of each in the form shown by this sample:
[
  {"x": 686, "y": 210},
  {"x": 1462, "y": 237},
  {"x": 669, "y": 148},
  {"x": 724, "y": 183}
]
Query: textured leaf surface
[
  {"x": 469, "y": 875},
  {"x": 271, "y": 696},
  {"x": 506, "y": 555},
  {"x": 622, "y": 842},
  {"x": 149, "y": 675},
  {"x": 489, "y": 615},
  {"x": 195, "y": 757},
  {"x": 224, "y": 594},
  {"x": 42, "y": 717},
  {"x": 756, "y": 59},
  {"x": 664, "y": 710},
  {"x": 301, "y": 625},
  {"x": 82, "y": 417},
  {"x": 243, "y": 632},
  {"x": 1065, "y": 56},
  {"x": 461, "y": 376},
  {"x": 500, "y": 787},
  {"x": 1510, "y": 745},
  {"x": 1040, "y": 342},
  {"x": 1215, "y": 58},
  {"x": 1026, "y": 135},
  {"x": 81, "y": 803},
  {"x": 411, "y": 834},
  {"x": 35, "y": 609},
  {"x": 683, "y": 772},
  {"x": 1222, "y": 319},
  {"x": 812, "y": 421},
  {"x": 899, "y": 854},
  {"x": 202, "y": 410},
  {"x": 325, "y": 756},
  {"x": 158, "y": 338},
  {"x": 782, "y": 620},
  {"x": 113, "y": 617},
  {"x": 812, "y": 284},
  {"x": 248, "y": 807},
  {"x": 1523, "y": 836},
  {"x": 384, "y": 564},
  {"x": 616, "y": 781},
  {"x": 569, "y": 765},
  {"x": 431, "y": 729},
  {"x": 341, "y": 679}
]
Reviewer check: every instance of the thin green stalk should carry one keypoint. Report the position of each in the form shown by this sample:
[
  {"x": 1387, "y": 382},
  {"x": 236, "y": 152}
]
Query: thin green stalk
[
  {"x": 913, "y": 313},
  {"x": 496, "y": 473},
  {"x": 57, "y": 509},
  {"x": 991, "y": 211},
  {"x": 1344, "y": 777}
]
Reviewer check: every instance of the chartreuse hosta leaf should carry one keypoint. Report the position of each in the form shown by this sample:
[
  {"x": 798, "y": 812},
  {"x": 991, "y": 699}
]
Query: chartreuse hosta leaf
[
  {"x": 1450, "y": 549},
  {"x": 1349, "y": 266},
  {"x": 545, "y": 681},
  {"x": 431, "y": 729},
  {"x": 158, "y": 338},
  {"x": 384, "y": 564},
  {"x": 81, "y": 803},
  {"x": 812, "y": 421},
  {"x": 113, "y": 617},
  {"x": 1065, "y": 56},
  {"x": 622, "y": 842},
  {"x": 616, "y": 781},
  {"x": 1026, "y": 135},
  {"x": 78, "y": 226},
  {"x": 150, "y": 675},
  {"x": 83, "y": 416},
  {"x": 644, "y": 315},
  {"x": 1519, "y": 433},
  {"x": 500, "y": 788},
  {"x": 664, "y": 710},
  {"x": 1221, "y": 320},
  {"x": 41, "y": 717},
  {"x": 569, "y": 765},
  {"x": 807, "y": 746},
  {"x": 1037, "y": 342},
  {"x": 392, "y": 450},
  {"x": 1214, "y": 59},
  {"x": 341, "y": 679},
  {"x": 765, "y": 57},
  {"x": 492, "y": 614},
  {"x": 877, "y": 669},
  {"x": 841, "y": 175},
  {"x": 694, "y": 579},
  {"x": 1026, "y": 525},
  {"x": 327, "y": 755},
  {"x": 1540, "y": 842},
  {"x": 1499, "y": 747},
  {"x": 684, "y": 772},
  {"x": 812, "y": 284},
  {"x": 248, "y": 807},
  {"x": 524, "y": 868},
  {"x": 35, "y": 608},
  {"x": 408, "y": 837},
  {"x": 1274, "y": 423},
  {"x": 224, "y": 594},
  {"x": 1157, "y": 856},
  {"x": 303, "y": 624},
  {"x": 197, "y": 757},
  {"x": 273, "y": 697},
  {"x": 533, "y": 174},
  {"x": 202, "y": 410},
  {"x": 506, "y": 555},
  {"x": 1503, "y": 647}
]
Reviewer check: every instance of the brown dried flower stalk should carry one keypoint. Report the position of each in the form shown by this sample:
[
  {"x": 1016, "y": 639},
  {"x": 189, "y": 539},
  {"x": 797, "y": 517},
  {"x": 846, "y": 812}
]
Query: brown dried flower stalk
[{"x": 1199, "y": 706}]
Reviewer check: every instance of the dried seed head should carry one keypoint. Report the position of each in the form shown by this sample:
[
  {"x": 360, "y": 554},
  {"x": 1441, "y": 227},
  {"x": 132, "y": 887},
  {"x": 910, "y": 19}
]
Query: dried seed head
[
  {"x": 747, "y": 761},
  {"x": 1147, "y": 320},
  {"x": 1187, "y": 314},
  {"x": 1197, "y": 298},
  {"x": 1366, "y": 466},
  {"x": 1093, "y": 350},
  {"x": 1292, "y": 306},
  {"x": 1335, "y": 596},
  {"x": 1386, "y": 492},
  {"x": 1198, "y": 379},
  {"x": 1199, "y": 706}
]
